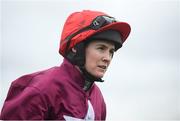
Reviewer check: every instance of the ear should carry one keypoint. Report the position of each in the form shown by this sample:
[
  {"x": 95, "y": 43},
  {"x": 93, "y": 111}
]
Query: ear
[{"x": 73, "y": 50}]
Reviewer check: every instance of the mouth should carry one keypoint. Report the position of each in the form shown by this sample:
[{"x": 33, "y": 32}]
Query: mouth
[{"x": 103, "y": 67}]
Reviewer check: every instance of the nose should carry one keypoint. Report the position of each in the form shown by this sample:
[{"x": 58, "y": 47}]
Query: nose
[{"x": 107, "y": 57}]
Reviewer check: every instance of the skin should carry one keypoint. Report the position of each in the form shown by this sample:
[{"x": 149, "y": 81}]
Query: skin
[{"x": 98, "y": 57}]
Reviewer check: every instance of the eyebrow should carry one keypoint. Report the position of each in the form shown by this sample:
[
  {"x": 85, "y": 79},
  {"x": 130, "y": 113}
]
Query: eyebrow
[{"x": 105, "y": 45}]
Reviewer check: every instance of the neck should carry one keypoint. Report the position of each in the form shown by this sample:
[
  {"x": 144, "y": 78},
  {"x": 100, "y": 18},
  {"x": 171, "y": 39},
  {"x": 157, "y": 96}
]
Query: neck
[
  {"x": 89, "y": 79},
  {"x": 87, "y": 84}
]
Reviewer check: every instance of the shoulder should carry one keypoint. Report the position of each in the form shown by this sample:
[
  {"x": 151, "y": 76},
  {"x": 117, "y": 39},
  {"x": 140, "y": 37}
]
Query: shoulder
[
  {"x": 46, "y": 83},
  {"x": 39, "y": 80},
  {"x": 26, "y": 80}
]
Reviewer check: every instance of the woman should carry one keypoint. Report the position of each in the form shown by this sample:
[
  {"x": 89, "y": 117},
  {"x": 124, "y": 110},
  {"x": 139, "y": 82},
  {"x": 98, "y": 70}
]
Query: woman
[{"x": 88, "y": 42}]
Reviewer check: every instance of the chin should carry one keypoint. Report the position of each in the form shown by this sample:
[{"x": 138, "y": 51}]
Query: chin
[{"x": 99, "y": 75}]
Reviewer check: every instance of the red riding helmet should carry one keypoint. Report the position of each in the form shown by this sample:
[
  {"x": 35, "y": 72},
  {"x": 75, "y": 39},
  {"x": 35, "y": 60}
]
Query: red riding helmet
[{"x": 81, "y": 25}]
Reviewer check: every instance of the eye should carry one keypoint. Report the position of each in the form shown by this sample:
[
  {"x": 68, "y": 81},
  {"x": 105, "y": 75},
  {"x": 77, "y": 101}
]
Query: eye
[
  {"x": 112, "y": 52},
  {"x": 101, "y": 48}
]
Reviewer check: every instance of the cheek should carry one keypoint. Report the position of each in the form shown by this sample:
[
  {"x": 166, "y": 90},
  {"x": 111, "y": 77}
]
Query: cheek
[{"x": 92, "y": 58}]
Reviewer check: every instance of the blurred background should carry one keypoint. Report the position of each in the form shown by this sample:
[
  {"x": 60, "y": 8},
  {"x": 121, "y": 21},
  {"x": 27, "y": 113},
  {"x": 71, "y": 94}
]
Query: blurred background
[{"x": 143, "y": 80}]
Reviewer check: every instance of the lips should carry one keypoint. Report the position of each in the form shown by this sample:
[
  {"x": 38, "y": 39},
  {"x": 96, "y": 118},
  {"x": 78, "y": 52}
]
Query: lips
[{"x": 102, "y": 67}]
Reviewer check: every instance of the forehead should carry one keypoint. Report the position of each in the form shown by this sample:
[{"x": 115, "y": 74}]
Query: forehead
[{"x": 102, "y": 42}]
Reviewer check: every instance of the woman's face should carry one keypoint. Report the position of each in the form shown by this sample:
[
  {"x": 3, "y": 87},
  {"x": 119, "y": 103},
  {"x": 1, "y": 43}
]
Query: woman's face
[{"x": 98, "y": 57}]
